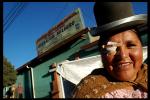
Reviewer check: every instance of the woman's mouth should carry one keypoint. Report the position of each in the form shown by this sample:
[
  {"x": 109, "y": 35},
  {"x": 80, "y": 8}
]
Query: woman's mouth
[{"x": 124, "y": 65}]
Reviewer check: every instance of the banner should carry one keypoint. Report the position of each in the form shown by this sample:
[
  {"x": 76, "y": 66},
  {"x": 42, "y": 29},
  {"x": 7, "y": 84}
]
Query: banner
[{"x": 75, "y": 70}]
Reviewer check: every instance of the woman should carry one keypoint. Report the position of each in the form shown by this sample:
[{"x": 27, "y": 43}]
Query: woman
[{"x": 123, "y": 75}]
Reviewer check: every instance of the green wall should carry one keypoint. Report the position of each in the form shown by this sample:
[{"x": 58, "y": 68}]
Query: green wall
[{"x": 43, "y": 79}]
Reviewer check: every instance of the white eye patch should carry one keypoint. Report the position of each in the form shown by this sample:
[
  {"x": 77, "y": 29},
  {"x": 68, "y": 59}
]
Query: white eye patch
[{"x": 111, "y": 46}]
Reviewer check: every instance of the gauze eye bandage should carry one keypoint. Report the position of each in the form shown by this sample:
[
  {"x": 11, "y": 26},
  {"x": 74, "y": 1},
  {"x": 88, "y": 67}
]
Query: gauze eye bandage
[{"x": 111, "y": 46}]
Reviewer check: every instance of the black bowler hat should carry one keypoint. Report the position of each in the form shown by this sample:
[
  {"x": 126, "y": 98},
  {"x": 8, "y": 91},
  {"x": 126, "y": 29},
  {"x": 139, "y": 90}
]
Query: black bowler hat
[{"x": 116, "y": 16}]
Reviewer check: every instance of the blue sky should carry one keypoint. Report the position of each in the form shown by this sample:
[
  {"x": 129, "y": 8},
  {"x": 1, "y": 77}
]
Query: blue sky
[{"x": 36, "y": 19}]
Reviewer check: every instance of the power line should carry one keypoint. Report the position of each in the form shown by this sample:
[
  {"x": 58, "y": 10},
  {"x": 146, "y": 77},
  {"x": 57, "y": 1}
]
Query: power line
[
  {"x": 9, "y": 17},
  {"x": 13, "y": 16},
  {"x": 10, "y": 13},
  {"x": 16, "y": 13}
]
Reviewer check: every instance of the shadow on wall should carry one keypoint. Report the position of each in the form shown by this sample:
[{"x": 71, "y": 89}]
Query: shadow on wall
[
  {"x": 27, "y": 85},
  {"x": 83, "y": 53},
  {"x": 48, "y": 96},
  {"x": 68, "y": 88},
  {"x": 48, "y": 73}
]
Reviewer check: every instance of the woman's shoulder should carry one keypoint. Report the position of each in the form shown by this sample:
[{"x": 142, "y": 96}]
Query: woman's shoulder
[
  {"x": 88, "y": 83},
  {"x": 142, "y": 77},
  {"x": 98, "y": 75},
  {"x": 97, "y": 84},
  {"x": 144, "y": 66},
  {"x": 142, "y": 74}
]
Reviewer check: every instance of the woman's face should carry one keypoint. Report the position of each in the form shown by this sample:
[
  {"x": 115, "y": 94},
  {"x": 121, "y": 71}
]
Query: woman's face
[{"x": 125, "y": 60}]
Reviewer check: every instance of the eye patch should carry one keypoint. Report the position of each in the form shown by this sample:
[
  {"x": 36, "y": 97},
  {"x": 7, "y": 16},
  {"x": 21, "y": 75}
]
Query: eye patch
[{"x": 111, "y": 46}]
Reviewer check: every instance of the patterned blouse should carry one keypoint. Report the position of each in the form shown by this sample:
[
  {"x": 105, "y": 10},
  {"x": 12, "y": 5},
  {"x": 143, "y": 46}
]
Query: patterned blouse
[{"x": 99, "y": 85}]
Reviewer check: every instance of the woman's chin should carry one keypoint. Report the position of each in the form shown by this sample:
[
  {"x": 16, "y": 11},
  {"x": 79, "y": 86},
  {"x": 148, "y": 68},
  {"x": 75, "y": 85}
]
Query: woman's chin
[{"x": 125, "y": 78}]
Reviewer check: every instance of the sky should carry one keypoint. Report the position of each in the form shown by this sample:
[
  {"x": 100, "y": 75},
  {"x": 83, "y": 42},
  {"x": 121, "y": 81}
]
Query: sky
[{"x": 35, "y": 19}]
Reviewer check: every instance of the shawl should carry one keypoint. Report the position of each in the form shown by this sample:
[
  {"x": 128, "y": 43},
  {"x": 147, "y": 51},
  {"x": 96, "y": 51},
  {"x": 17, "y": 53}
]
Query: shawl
[{"x": 99, "y": 84}]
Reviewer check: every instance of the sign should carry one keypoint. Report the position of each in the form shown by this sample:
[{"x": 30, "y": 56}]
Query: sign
[{"x": 69, "y": 26}]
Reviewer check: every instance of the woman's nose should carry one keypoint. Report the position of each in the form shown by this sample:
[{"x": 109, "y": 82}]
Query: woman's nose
[{"x": 122, "y": 52}]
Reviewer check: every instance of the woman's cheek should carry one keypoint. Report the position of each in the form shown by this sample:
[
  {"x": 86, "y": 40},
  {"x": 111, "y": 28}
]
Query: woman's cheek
[
  {"x": 107, "y": 61},
  {"x": 137, "y": 57}
]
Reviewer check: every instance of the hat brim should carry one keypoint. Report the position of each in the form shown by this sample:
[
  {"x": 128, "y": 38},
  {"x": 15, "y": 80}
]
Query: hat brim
[{"x": 119, "y": 24}]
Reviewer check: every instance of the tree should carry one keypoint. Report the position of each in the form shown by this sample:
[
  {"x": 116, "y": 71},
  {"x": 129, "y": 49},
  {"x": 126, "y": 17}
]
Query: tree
[{"x": 9, "y": 73}]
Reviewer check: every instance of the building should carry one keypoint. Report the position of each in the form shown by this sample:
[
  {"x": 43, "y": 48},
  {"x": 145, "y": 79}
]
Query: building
[{"x": 35, "y": 77}]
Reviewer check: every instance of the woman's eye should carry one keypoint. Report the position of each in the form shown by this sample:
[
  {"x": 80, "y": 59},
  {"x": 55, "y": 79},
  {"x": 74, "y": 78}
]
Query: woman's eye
[{"x": 131, "y": 45}]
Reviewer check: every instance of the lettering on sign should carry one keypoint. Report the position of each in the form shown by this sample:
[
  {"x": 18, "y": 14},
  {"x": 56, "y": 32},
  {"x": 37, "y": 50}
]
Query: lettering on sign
[{"x": 68, "y": 27}]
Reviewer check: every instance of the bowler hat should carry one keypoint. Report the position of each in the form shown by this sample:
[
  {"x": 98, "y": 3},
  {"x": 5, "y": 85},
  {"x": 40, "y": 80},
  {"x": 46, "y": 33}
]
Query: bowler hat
[{"x": 116, "y": 16}]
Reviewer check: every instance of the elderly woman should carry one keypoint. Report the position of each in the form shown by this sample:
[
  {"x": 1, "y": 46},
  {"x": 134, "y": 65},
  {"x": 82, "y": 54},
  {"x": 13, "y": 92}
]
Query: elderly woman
[{"x": 124, "y": 75}]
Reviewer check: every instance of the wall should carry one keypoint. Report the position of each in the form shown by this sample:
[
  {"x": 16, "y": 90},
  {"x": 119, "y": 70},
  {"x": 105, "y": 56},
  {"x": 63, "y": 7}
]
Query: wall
[{"x": 43, "y": 79}]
